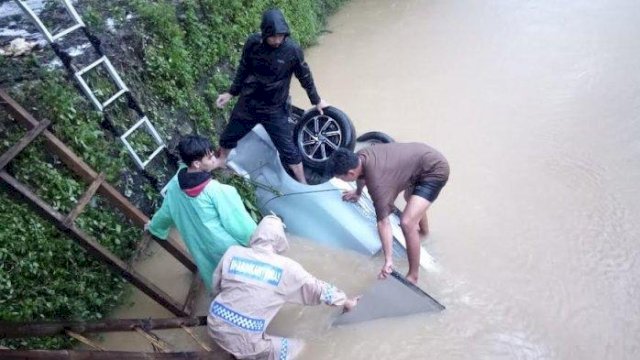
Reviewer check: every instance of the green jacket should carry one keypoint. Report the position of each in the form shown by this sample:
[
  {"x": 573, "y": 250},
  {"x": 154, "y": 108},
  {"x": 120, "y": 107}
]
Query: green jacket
[{"x": 208, "y": 223}]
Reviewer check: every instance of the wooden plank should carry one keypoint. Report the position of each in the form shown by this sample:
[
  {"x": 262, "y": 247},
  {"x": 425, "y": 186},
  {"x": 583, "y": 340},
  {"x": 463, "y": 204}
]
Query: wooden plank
[
  {"x": 83, "y": 170},
  {"x": 22, "y": 143},
  {"x": 195, "y": 337},
  {"x": 84, "y": 340},
  {"x": 84, "y": 200},
  {"x": 142, "y": 246},
  {"x": 173, "y": 247},
  {"x": 108, "y": 355},
  {"x": 194, "y": 289},
  {"x": 154, "y": 339},
  {"x": 94, "y": 248},
  {"x": 28, "y": 329}
]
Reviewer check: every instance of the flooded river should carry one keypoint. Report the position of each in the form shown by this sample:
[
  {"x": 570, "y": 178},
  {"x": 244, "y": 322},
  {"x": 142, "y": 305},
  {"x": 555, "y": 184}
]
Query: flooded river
[{"x": 536, "y": 104}]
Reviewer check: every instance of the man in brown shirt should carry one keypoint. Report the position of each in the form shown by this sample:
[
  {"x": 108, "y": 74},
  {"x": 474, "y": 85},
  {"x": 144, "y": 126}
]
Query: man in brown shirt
[{"x": 387, "y": 169}]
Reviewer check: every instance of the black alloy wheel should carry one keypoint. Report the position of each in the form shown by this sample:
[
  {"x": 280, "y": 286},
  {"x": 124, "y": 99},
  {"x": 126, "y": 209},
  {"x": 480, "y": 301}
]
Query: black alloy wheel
[{"x": 319, "y": 135}]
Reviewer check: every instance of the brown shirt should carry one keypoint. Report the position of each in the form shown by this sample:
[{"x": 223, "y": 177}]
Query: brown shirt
[{"x": 389, "y": 169}]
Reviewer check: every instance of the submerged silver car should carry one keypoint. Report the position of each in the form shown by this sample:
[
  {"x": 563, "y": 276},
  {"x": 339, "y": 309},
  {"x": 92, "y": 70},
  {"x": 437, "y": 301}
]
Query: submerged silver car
[{"x": 315, "y": 211}]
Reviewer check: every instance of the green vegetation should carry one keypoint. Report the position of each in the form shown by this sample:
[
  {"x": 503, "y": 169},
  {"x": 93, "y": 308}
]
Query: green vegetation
[{"x": 176, "y": 57}]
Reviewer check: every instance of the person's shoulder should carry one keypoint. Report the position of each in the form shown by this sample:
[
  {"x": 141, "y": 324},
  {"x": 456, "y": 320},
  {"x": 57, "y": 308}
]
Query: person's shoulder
[
  {"x": 368, "y": 151},
  {"x": 391, "y": 147},
  {"x": 212, "y": 187},
  {"x": 255, "y": 37},
  {"x": 288, "y": 263},
  {"x": 292, "y": 42},
  {"x": 417, "y": 147},
  {"x": 253, "y": 40},
  {"x": 172, "y": 185},
  {"x": 217, "y": 187},
  {"x": 236, "y": 250},
  {"x": 291, "y": 45}
]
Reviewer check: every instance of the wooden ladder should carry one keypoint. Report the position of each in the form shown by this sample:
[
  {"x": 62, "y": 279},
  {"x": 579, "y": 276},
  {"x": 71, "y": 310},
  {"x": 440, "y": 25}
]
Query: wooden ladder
[{"x": 97, "y": 184}]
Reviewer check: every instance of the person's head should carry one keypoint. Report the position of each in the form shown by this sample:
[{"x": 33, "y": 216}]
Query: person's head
[
  {"x": 274, "y": 27},
  {"x": 344, "y": 164},
  {"x": 275, "y": 40},
  {"x": 269, "y": 235},
  {"x": 197, "y": 153}
]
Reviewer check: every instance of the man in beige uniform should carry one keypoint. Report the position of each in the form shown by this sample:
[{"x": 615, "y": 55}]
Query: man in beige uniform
[
  {"x": 252, "y": 284},
  {"x": 387, "y": 169}
]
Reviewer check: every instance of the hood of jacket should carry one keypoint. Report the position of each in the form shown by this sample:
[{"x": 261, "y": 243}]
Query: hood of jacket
[
  {"x": 273, "y": 23},
  {"x": 270, "y": 235},
  {"x": 193, "y": 183}
]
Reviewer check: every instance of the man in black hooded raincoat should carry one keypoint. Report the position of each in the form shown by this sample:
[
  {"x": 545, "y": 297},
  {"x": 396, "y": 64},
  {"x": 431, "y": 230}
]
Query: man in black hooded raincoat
[{"x": 262, "y": 80}]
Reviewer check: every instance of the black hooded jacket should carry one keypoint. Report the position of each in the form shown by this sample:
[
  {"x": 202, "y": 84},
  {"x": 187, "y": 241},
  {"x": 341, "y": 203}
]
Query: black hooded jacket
[{"x": 264, "y": 73}]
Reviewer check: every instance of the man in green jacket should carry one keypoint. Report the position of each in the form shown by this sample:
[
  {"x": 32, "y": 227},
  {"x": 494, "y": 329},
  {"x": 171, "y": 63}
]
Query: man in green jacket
[{"x": 209, "y": 215}]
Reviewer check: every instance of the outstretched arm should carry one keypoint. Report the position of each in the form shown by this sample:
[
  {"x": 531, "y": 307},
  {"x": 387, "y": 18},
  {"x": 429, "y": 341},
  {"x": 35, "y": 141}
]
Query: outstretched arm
[
  {"x": 243, "y": 70},
  {"x": 161, "y": 222},
  {"x": 354, "y": 195},
  {"x": 313, "y": 291}
]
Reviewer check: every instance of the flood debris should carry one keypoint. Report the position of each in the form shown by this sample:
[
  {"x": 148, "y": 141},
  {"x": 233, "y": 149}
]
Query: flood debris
[
  {"x": 18, "y": 47},
  {"x": 394, "y": 296}
]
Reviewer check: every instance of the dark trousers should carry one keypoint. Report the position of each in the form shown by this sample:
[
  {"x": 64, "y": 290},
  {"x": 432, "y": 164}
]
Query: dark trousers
[{"x": 275, "y": 121}]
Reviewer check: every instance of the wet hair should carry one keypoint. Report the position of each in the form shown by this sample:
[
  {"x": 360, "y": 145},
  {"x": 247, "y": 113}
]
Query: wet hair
[
  {"x": 194, "y": 147},
  {"x": 341, "y": 161}
]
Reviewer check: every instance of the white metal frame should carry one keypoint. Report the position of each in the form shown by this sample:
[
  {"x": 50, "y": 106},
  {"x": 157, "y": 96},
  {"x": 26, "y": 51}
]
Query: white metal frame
[
  {"x": 122, "y": 88},
  {"x": 53, "y": 37},
  {"x": 154, "y": 134}
]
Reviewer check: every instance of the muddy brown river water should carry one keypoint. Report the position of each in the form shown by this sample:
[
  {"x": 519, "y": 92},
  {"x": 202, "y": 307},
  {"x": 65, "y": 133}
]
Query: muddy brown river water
[{"x": 536, "y": 104}]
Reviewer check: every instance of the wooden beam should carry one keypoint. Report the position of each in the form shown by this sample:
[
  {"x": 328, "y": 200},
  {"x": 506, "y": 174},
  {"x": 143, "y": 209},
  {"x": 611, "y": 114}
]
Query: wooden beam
[
  {"x": 22, "y": 143},
  {"x": 195, "y": 337},
  {"x": 84, "y": 340},
  {"x": 94, "y": 248},
  {"x": 108, "y": 355},
  {"x": 18, "y": 330},
  {"x": 156, "y": 342},
  {"x": 194, "y": 289},
  {"x": 142, "y": 246},
  {"x": 173, "y": 247},
  {"x": 84, "y": 200},
  {"x": 84, "y": 171}
]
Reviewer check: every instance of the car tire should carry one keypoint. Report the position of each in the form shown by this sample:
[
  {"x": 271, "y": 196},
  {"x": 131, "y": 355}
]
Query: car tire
[
  {"x": 318, "y": 136},
  {"x": 375, "y": 137}
]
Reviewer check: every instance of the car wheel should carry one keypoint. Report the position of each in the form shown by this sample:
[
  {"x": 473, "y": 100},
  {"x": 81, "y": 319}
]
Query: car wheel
[
  {"x": 375, "y": 137},
  {"x": 319, "y": 135}
]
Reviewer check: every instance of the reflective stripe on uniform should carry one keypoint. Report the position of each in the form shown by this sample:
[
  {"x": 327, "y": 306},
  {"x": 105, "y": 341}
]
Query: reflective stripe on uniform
[
  {"x": 284, "y": 349},
  {"x": 327, "y": 293},
  {"x": 234, "y": 318}
]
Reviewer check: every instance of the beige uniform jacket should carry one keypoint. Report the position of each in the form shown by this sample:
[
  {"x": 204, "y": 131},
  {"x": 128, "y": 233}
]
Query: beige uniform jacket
[{"x": 252, "y": 284}]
